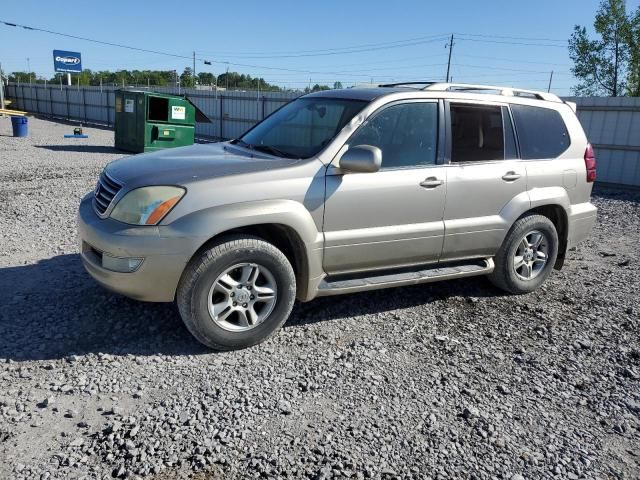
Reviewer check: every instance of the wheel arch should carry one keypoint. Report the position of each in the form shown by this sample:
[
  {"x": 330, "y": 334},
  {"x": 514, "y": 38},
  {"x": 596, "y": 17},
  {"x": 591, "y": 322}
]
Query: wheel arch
[
  {"x": 558, "y": 216},
  {"x": 283, "y": 237},
  {"x": 286, "y": 224},
  {"x": 551, "y": 202}
]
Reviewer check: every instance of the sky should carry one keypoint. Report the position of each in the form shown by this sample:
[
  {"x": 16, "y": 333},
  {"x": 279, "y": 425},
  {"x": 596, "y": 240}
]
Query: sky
[{"x": 294, "y": 43}]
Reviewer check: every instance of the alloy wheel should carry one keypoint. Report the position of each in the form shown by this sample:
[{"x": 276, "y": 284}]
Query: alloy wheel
[
  {"x": 242, "y": 297},
  {"x": 531, "y": 255}
]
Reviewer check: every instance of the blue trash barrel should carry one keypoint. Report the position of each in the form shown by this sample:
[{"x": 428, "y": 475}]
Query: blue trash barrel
[{"x": 20, "y": 126}]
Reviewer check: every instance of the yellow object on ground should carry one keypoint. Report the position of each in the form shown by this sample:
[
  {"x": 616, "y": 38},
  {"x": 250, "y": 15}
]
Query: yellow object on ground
[{"x": 6, "y": 111}]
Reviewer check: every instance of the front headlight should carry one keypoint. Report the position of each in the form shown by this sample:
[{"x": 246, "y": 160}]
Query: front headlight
[{"x": 147, "y": 205}]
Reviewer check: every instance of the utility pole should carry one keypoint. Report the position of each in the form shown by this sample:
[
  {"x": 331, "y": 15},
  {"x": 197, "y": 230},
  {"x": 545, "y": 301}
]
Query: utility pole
[
  {"x": 1, "y": 88},
  {"x": 550, "y": 80},
  {"x": 450, "y": 46},
  {"x": 29, "y": 69},
  {"x": 194, "y": 69}
]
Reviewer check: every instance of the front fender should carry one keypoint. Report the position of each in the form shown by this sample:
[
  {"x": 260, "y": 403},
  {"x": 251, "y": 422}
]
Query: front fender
[
  {"x": 212, "y": 221},
  {"x": 201, "y": 226}
]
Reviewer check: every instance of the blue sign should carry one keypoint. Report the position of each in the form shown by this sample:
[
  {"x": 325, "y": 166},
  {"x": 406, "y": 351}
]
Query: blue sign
[{"x": 67, "y": 61}]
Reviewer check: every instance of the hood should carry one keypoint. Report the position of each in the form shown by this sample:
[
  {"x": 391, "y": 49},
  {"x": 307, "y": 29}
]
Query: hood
[{"x": 179, "y": 166}]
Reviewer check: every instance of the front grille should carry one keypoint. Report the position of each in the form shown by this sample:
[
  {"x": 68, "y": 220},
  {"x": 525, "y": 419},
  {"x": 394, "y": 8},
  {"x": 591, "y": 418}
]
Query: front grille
[{"x": 106, "y": 189}]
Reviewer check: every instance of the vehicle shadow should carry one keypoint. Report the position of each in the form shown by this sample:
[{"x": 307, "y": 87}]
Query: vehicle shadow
[
  {"x": 81, "y": 148},
  {"x": 617, "y": 192},
  {"x": 53, "y": 309}
]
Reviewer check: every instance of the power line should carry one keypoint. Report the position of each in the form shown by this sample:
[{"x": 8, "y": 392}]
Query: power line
[
  {"x": 175, "y": 55},
  {"x": 502, "y": 59},
  {"x": 157, "y": 52},
  {"x": 506, "y": 37},
  {"x": 361, "y": 50},
  {"x": 511, "y": 43},
  {"x": 504, "y": 68},
  {"x": 335, "y": 51}
]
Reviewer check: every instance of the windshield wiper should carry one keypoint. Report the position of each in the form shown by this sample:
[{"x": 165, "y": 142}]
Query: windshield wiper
[
  {"x": 272, "y": 150},
  {"x": 262, "y": 148},
  {"x": 242, "y": 143}
]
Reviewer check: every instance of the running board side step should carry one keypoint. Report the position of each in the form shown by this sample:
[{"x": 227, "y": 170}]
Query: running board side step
[{"x": 424, "y": 275}]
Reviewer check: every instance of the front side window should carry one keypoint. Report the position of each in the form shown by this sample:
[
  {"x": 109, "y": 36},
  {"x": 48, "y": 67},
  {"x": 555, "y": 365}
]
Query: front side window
[
  {"x": 541, "y": 132},
  {"x": 477, "y": 133},
  {"x": 406, "y": 134},
  {"x": 303, "y": 127}
]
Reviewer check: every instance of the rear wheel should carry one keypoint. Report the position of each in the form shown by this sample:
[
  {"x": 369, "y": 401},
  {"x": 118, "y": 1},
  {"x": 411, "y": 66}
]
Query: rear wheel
[
  {"x": 527, "y": 255},
  {"x": 237, "y": 293}
]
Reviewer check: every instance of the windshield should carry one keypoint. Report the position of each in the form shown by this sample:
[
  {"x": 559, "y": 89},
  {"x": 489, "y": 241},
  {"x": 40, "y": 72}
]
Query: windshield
[{"x": 301, "y": 128}]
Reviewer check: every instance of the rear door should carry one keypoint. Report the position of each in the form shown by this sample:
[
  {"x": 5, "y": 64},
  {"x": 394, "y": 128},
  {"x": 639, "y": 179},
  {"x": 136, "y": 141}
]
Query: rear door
[{"x": 483, "y": 175}]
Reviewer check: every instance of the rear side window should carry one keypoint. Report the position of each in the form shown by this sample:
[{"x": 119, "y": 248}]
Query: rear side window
[
  {"x": 541, "y": 132},
  {"x": 477, "y": 133}
]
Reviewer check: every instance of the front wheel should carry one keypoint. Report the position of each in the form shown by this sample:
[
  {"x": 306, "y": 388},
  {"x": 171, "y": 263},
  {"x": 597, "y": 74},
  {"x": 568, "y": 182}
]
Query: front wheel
[
  {"x": 527, "y": 255},
  {"x": 237, "y": 293}
]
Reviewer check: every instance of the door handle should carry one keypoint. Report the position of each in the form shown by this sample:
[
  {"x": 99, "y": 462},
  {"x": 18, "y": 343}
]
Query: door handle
[
  {"x": 431, "y": 182},
  {"x": 511, "y": 176}
]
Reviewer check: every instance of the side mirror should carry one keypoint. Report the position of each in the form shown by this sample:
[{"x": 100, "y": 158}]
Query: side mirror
[{"x": 361, "y": 159}]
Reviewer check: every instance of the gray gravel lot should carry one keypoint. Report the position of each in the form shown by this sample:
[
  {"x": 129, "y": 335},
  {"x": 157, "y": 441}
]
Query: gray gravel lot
[{"x": 449, "y": 380}]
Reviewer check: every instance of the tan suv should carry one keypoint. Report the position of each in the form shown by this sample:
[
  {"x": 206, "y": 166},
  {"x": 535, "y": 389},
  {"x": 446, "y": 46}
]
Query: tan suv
[{"x": 343, "y": 191}]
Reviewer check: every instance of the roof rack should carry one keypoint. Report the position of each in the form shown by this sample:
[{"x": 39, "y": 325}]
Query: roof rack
[
  {"x": 407, "y": 84},
  {"x": 467, "y": 87}
]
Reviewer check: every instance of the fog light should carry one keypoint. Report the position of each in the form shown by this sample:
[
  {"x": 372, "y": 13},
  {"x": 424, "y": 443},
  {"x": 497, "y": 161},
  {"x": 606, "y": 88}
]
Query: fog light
[{"x": 118, "y": 264}]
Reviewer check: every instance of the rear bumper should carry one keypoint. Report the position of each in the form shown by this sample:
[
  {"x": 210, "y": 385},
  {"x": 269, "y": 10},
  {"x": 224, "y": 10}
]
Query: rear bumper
[
  {"x": 582, "y": 218},
  {"x": 164, "y": 257}
]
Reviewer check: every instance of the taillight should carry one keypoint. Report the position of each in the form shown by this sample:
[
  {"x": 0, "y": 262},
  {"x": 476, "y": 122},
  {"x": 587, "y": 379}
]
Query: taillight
[{"x": 590, "y": 163}]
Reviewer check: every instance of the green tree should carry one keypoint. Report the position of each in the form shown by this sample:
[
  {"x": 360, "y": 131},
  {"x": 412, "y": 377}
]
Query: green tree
[
  {"x": 153, "y": 78},
  {"x": 633, "y": 84},
  {"x": 22, "y": 77},
  {"x": 337, "y": 85},
  {"x": 316, "y": 88},
  {"x": 186, "y": 79},
  {"x": 206, "y": 78},
  {"x": 601, "y": 65}
]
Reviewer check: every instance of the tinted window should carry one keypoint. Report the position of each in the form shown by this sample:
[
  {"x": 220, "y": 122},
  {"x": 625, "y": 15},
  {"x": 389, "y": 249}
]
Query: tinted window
[
  {"x": 477, "y": 133},
  {"x": 302, "y": 127},
  {"x": 541, "y": 132},
  {"x": 406, "y": 134}
]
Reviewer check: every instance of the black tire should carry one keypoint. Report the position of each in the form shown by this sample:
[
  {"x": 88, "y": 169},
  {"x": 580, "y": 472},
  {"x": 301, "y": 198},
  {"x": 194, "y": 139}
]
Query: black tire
[
  {"x": 504, "y": 275},
  {"x": 192, "y": 297}
]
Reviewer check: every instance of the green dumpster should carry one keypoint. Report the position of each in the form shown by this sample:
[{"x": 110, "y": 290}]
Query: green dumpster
[{"x": 148, "y": 121}]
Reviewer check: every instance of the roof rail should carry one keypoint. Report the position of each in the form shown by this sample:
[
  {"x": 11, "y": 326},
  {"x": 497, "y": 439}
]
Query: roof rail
[
  {"x": 467, "y": 87},
  {"x": 506, "y": 91},
  {"x": 407, "y": 84}
]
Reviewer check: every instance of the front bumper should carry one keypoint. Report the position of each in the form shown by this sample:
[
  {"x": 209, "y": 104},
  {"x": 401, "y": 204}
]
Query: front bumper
[{"x": 164, "y": 256}]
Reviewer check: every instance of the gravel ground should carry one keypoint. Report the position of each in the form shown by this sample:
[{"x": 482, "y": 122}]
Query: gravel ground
[{"x": 449, "y": 380}]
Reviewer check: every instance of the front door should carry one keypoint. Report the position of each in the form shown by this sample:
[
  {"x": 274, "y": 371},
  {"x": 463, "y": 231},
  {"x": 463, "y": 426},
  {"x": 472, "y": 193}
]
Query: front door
[{"x": 393, "y": 217}]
